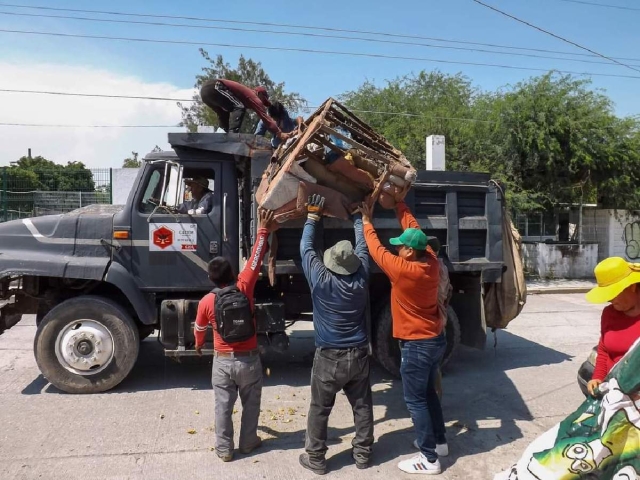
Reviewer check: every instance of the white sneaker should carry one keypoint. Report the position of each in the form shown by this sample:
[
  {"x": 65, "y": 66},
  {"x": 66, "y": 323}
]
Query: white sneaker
[
  {"x": 419, "y": 464},
  {"x": 442, "y": 449}
]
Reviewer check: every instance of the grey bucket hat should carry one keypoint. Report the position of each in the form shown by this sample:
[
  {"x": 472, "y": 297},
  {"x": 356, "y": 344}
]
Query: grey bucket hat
[{"x": 341, "y": 258}]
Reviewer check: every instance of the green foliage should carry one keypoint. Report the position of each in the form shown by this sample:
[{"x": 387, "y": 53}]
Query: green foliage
[
  {"x": 132, "y": 161},
  {"x": 550, "y": 139},
  {"x": 38, "y": 173},
  {"x": 432, "y": 99},
  {"x": 248, "y": 73}
]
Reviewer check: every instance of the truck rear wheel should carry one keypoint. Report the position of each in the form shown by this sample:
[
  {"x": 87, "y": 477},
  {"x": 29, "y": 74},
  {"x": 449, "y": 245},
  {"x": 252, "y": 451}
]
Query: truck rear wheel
[
  {"x": 87, "y": 344},
  {"x": 452, "y": 332},
  {"x": 387, "y": 350}
]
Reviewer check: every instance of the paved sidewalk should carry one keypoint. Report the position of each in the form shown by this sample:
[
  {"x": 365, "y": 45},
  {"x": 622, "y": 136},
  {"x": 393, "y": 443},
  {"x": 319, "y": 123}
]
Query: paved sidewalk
[{"x": 539, "y": 286}]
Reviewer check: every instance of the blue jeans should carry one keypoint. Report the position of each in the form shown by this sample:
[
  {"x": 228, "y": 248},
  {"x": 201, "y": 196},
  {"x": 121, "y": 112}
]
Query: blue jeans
[{"x": 419, "y": 369}]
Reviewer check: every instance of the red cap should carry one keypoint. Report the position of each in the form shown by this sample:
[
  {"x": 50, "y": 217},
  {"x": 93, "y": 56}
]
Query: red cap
[{"x": 263, "y": 94}]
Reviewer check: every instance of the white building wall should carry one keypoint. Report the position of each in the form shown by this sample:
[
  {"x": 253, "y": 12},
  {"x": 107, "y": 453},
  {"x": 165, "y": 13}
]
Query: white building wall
[{"x": 625, "y": 235}]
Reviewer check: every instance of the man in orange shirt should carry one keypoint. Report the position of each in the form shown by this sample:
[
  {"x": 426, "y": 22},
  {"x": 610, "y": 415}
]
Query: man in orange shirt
[
  {"x": 236, "y": 366},
  {"x": 414, "y": 275}
]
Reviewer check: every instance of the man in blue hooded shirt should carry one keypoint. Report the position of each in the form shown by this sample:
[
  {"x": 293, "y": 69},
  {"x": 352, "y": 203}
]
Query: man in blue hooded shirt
[{"x": 339, "y": 291}]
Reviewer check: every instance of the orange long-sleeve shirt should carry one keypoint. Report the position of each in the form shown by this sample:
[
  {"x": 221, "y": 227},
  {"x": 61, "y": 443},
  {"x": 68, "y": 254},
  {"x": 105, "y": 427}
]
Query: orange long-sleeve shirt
[{"x": 414, "y": 285}]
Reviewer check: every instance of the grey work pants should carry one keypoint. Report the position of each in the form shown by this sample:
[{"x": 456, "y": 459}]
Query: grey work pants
[
  {"x": 334, "y": 370},
  {"x": 230, "y": 377}
]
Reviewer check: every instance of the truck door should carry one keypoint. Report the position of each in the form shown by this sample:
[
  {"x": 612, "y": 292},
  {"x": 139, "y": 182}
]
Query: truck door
[{"x": 171, "y": 251}]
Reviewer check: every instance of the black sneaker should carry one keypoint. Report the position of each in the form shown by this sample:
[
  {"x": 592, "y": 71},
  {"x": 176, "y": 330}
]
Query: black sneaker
[
  {"x": 361, "y": 463},
  {"x": 305, "y": 462}
]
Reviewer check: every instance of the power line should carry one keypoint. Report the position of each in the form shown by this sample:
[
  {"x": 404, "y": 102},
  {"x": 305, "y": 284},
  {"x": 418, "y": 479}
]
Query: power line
[
  {"x": 605, "y": 5},
  {"x": 301, "y": 34},
  {"x": 45, "y": 125},
  {"x": 307, "y": 27},
  {"x": 554, "y": 35},
  {"x": 308, "y": 50},
  {"x": 170, "y": 99},
  {"x": 95, "y": 95}
]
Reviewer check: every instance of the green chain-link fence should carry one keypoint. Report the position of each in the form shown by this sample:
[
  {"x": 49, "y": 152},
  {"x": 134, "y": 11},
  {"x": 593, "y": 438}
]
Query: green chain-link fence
[{"x": 28, "y": 193}]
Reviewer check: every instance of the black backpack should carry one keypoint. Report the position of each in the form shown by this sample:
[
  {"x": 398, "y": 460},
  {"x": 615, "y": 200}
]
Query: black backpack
[{"x": 234, "y": 318}]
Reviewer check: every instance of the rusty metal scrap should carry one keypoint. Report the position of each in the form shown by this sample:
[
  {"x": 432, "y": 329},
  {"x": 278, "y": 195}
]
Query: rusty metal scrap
[{"x": 349, "y": 175}]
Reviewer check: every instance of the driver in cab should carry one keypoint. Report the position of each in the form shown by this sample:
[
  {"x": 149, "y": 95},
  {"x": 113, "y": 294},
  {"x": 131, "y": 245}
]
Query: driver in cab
[{"x": 201, "y": 197}]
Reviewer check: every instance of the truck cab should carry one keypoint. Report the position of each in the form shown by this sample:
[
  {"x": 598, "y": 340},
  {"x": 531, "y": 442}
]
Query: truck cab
[{"x": 102, "y": 278}]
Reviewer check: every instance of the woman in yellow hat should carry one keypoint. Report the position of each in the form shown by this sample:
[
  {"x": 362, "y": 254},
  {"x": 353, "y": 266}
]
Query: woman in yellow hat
[{"x": 620, "y": 325}]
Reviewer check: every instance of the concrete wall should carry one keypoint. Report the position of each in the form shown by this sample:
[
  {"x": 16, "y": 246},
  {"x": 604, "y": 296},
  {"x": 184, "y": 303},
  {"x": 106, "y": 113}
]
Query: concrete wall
[
  {"x": 624, "y": 228},
  {"x": 596, "y": 229},
  {"x": 548, "y": 260},
  {"x": 123, "y": 180}
]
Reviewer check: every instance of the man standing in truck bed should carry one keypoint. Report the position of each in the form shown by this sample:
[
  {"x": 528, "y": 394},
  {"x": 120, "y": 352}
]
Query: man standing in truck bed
[
  {"x": 236, "y": 366},
  {"x": 230, "y": 101},
  {"x": 339, "y": 289},
  {"x": 414, "y": 276}
]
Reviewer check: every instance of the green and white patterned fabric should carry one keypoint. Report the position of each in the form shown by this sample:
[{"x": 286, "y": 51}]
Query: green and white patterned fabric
[{"x": 599, "y": 441}]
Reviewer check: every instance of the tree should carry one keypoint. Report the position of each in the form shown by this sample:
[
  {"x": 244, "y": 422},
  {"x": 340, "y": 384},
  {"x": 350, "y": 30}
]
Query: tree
[
  {"x": 248, "y": 72},
  {"x": 132, "y": 161},
  {"x": 431, "y": 100},
  {"x": 550, "y": 139},
  {"x": 38, "y": 173},
  {"x": 553, "y": 140}
]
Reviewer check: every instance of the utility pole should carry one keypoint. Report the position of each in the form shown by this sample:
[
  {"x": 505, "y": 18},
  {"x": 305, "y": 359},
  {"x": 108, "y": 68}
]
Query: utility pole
[{"x": 29, "y": 153}]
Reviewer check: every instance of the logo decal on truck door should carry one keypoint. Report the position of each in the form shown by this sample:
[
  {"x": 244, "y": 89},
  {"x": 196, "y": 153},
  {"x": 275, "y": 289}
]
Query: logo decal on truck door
[{"x": 173, "y": 237}]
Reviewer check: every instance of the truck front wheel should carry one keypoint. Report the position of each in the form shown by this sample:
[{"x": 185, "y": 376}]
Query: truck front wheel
[
  {"x": 86, "y": 344},
  {"x": 387, "y": 350}
]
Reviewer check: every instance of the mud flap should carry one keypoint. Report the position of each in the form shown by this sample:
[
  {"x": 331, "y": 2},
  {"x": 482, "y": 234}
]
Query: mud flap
[{"x": 11, "y": 313}]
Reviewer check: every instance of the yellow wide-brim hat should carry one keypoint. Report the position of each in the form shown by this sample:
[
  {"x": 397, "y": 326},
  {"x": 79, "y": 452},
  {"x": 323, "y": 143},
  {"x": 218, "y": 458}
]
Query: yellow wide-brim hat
[{"x": 613, "y": 275}]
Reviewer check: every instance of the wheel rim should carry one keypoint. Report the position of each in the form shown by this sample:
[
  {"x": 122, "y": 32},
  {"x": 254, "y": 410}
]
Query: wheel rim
[{"x": 84, "y": 347}]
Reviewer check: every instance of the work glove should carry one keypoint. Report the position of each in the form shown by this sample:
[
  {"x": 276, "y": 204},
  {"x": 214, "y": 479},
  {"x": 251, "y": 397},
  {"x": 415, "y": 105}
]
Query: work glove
[{"x": 315, "y": 205}]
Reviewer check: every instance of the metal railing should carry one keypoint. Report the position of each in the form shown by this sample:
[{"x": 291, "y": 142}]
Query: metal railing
[{"x": 31, "y": 193}]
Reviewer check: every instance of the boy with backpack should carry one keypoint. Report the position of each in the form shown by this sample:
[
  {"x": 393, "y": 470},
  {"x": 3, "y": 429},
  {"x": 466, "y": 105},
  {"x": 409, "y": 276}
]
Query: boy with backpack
[{"x": 236, "y": 361}]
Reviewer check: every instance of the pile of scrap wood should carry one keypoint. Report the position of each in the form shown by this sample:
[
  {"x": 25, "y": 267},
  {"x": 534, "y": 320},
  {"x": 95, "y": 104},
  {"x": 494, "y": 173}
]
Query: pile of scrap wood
[{"x": 340, "y": 157}]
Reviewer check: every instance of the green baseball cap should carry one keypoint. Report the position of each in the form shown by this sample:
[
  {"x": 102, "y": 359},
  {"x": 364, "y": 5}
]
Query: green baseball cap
[{"x": 412, "y": 238}]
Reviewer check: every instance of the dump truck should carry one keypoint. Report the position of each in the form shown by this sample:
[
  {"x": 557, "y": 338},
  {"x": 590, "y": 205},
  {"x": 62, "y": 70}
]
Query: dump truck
[{"x": 103, "y": 277}]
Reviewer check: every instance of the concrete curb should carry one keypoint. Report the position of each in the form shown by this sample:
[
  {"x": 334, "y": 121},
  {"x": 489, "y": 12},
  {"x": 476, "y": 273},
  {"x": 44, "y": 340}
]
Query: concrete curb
[{"x": 556, "y": 290}]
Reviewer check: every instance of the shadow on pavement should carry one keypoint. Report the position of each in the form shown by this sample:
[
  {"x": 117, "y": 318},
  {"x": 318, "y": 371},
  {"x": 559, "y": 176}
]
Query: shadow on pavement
[{"x": 481, "y": 404}]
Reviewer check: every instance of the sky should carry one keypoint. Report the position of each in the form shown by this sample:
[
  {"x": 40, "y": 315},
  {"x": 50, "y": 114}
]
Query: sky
[{"x": 125, "y": 67}]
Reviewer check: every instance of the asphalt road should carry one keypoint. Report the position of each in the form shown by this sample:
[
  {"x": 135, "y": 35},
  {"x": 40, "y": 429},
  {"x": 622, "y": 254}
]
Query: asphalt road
[{"x": 495, "y": 402}]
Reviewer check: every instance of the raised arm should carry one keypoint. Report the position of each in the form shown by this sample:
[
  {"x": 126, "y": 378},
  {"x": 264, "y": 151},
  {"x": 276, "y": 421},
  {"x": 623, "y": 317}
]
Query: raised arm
[
  {"x": 312, "y": 266},
  {"x": 389, "y": 263},
  {"x": 405, "y": 217},
  {"x": 361, "y": 250},
  {"x": 251, "y": 271}
]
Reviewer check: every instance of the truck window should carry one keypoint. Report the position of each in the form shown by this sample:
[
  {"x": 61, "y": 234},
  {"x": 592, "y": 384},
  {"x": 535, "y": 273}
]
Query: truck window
[
  {"x": 153, "y": 189},
  {"x": 153, "y": 186}
]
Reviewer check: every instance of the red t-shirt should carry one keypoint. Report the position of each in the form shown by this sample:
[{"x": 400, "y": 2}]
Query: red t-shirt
[
  {"x": 246, "y": 283},
  {"x": 618, "y": 333}
]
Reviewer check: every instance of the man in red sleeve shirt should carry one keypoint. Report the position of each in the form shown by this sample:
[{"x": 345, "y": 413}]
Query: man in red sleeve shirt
[
  {"x": 230, "y": 101},
  {"x": 236, "y": 367}
]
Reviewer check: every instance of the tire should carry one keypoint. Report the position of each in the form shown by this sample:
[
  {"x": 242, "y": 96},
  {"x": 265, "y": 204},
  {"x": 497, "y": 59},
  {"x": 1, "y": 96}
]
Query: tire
[
  {"x": 387, "y": 350},
  {"x": 452, "y": 332},
  {"x": 86, "y": 344},
  {"x": 385, "y": 347}
]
